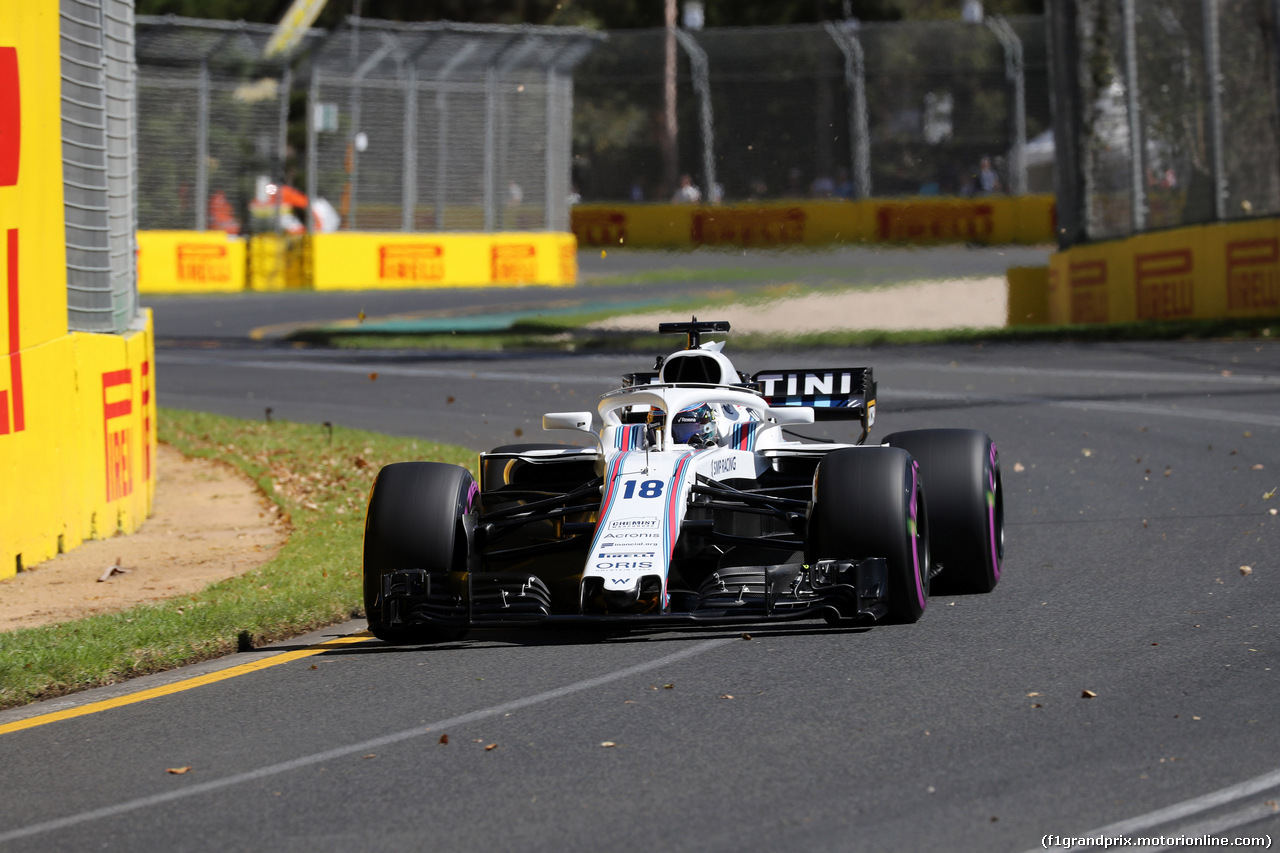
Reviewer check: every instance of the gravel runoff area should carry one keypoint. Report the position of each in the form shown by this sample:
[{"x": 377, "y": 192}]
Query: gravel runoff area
[{"x": 948, "y": 304}]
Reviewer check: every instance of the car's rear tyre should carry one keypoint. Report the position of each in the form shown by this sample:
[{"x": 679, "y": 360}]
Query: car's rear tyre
[
  {"x": 961, "y": 470},
  {"x": 416, "y": 520},
  {"x": 869, "y": 502}
]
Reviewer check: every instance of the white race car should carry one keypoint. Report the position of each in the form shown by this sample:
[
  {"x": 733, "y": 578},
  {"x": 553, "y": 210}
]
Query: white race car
[{"x": 695, "y": 505}]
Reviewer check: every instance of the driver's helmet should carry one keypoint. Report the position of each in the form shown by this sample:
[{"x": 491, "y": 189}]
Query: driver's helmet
[{"x": 695, "y": 425}]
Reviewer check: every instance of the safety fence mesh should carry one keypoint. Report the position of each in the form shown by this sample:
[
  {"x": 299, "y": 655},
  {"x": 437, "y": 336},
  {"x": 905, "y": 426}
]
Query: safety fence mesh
[
  {"x": 783, "y": 111},
  {"x": 213, "y": 123},
  {"x": 1170, "y": 109},
  {"x": 99, "y": 163},
  {"x": 443, "y": 126}
]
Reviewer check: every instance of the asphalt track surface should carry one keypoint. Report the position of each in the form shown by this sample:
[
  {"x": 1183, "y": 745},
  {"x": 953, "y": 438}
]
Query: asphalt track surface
[{"x": 1135, "y": 477}]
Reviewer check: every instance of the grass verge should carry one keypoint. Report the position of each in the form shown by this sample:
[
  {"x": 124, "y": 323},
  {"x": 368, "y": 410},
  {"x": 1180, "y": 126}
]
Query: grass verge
[{"x": 318, "y": 478}]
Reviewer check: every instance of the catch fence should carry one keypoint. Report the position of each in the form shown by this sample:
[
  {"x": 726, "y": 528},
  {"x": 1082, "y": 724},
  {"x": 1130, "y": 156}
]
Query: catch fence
[
  {"x": 836, "y": 110},
  {"x": 444, "y": 127},
  {"x": 1167, "y": 114},
  {"x": 213, "y": 123}
]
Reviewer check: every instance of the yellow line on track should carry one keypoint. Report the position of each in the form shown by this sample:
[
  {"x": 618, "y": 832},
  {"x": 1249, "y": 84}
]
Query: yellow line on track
[{"x": 179, "y": 686}]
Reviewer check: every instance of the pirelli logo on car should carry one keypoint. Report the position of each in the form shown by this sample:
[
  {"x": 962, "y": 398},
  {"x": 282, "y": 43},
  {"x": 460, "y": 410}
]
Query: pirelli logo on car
[
  {"x": 763, "y": 226},
  {"x": 1252, "y": 281},
  {"x": 513, "y": 263},
  {"x": 1165, "y": 284},
  {"x": 1087, "y": 281},
  {"x": 411, "y": 262},
  {"x": 203, "y": 263}
]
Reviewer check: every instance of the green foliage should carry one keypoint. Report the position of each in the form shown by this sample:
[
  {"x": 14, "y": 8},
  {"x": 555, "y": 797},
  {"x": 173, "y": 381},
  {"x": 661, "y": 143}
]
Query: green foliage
[{"x": 319, "y": 482}]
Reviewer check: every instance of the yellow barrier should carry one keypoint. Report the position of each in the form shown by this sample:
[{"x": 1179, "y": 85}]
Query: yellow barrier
[
  {"x": 85, "y": 455},
  {"x": 190, "y": 262},
  {"x": 1028, "y": 303},
  {"x": 780, "y": 224},
  {"x": 363, "y": 260},
  {"x": 277, "y": 262},
  {"x": 77, "y": 411},
  {"x": 1199, "y": 272}
]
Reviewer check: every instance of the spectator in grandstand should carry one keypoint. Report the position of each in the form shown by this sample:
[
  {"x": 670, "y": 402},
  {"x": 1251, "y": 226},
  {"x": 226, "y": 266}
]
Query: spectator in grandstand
[
  {"x": 844, "y": 184},
  {"x": 822, "y": 187},
  {"x": 688, "y": 193},
  {"x": 988, "y": 178}
]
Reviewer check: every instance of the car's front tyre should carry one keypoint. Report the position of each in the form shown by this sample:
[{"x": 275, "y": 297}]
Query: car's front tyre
[
  {"x": 869, "y": 502},
  {"x": 415, "y": 521}
]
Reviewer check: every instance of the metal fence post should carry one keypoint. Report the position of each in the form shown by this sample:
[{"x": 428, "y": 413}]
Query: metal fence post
[
  {"x": 855, "y": 82},
  {"x": 202, "y": 148},
  {"x": 409, "y": 176},
  {"x": 702, "y": 85},
  {"x": 313, "y": 180},
  {"x": 1070, "y": 186},
  {"x": 282, "y": 142},
  {"x": 1213, "y": 71},
  {"x": 490, "y": 137},
  {"x": 353, "y": 177},
  {"x": 553, "y": 139},
  {"x": 1015, "y": 73},
  {"x": 1137, "y": 186},
  {"x": 442, "y": 128}
]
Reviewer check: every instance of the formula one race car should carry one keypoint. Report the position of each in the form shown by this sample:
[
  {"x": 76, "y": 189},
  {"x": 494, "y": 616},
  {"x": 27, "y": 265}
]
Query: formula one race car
[{"x": 695, "y": 506}]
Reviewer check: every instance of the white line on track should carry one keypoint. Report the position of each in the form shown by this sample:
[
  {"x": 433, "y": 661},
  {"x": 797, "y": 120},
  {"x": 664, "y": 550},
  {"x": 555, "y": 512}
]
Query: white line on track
[
  {"x": 1076, "y": 373},
  {"x": 1251, "y": 418},
  {"x": 388, "y": 370},
  {"x": 1187, "y": 808},
  {"x": 1194, "y": 412},
  {"x": 352, "y": 749},
  {"x": 1216, "y": 826}
]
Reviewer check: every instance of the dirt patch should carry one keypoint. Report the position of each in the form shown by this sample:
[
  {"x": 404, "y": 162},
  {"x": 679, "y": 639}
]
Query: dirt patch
[
  {"x": 958, "y": 303},
  {"x": 209, "y": 523}
]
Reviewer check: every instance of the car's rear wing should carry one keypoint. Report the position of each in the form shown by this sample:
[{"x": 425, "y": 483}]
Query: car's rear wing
[{"x": 835, "y": 394}]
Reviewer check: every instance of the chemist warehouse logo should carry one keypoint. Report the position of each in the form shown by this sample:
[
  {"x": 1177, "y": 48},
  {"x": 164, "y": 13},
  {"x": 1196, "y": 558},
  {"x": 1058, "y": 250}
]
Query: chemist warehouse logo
[{"x": 634, "y": 524}]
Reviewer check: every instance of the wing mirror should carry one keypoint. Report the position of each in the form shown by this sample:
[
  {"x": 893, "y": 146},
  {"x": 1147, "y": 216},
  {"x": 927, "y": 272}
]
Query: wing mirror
[{"x": 567, "y": 420}]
